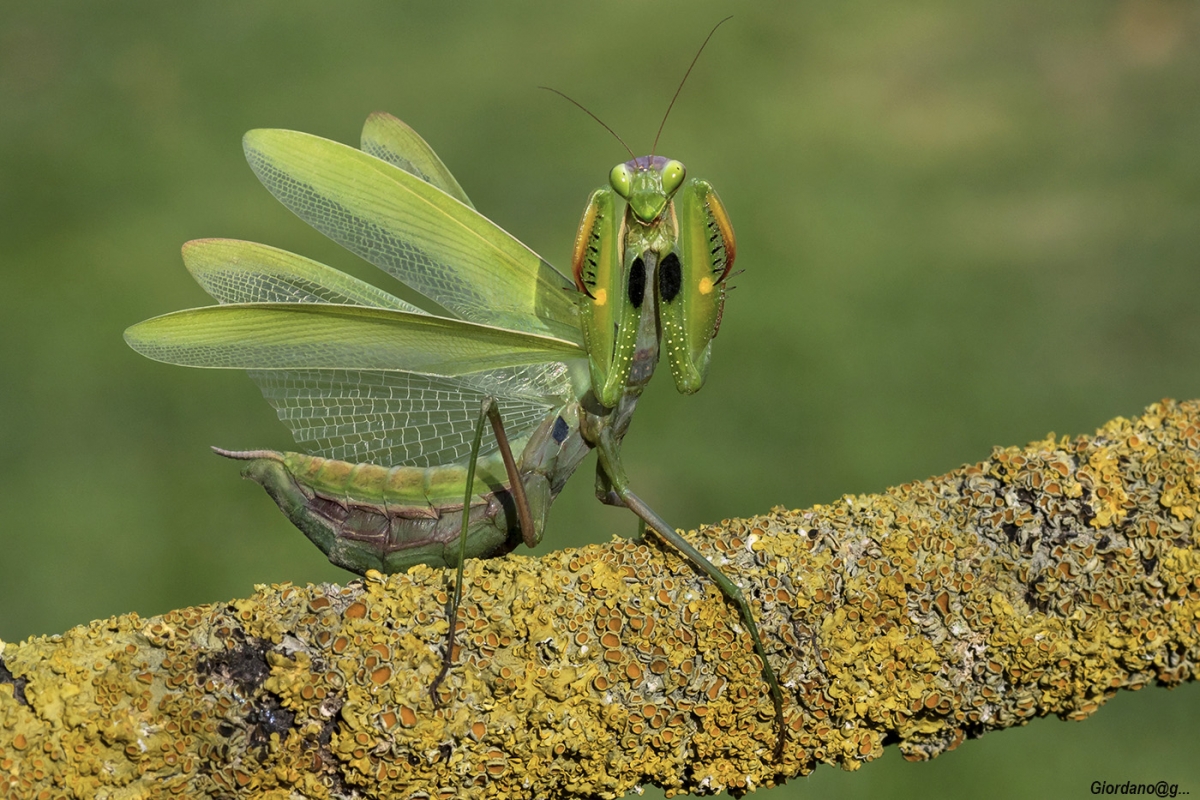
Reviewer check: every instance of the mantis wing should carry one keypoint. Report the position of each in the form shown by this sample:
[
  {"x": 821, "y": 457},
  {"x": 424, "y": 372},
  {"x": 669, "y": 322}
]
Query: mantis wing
[
  {"x": 387, "y": 138},
  {"x": 390, "y": 418},
  {"x": 236, "y": 271},
  {"x": 325, "y": 336},
  {"x": 416, "y": 232}
]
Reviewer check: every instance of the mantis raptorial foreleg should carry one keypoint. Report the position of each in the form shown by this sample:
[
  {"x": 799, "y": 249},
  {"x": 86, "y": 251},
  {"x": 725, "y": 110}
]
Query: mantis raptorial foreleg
[
  {"x": 610, "y": 461},
  {"x": 490, "y": 412}
]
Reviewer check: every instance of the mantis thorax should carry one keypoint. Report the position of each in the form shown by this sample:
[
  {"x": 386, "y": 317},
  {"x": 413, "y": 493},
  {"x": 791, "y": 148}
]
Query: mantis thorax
[{"x": 657, "y": 236}]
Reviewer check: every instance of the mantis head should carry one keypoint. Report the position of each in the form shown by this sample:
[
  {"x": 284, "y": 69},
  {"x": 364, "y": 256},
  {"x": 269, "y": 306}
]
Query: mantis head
[{"x": 647, "y": 184}]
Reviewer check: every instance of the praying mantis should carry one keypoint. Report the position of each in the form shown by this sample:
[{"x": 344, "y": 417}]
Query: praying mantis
[{"x": 392, "y": 399}]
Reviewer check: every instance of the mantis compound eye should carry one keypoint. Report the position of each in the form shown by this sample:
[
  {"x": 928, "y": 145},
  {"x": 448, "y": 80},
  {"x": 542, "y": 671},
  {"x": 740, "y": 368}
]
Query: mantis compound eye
[
  {"x": 672, "y": 175},
  {"x": 621, "y": 179}
]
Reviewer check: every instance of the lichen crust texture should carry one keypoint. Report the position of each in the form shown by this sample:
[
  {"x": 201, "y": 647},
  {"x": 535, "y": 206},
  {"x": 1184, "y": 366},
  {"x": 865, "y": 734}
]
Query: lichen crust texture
[{"x": 1041, "y": 580}]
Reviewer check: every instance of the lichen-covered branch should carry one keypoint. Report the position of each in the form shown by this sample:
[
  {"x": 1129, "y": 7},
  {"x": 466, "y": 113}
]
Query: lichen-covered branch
[{"x": 1039, "y": 581}]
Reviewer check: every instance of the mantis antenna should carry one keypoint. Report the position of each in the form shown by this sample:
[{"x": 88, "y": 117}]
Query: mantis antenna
[
  {"x": 661, "y": 125},
  {"x": 583, "y": 108},
  {"x": 654, "y": 148}
]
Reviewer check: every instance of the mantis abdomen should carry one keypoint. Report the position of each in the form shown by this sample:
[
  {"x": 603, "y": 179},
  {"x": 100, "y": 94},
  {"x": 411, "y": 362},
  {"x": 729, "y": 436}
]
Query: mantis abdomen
[{"x": 366, "y": 516}]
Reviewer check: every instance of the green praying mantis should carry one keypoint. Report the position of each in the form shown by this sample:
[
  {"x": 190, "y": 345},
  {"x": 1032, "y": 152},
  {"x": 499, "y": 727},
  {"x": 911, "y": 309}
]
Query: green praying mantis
[{"x": 391, "y": 399}]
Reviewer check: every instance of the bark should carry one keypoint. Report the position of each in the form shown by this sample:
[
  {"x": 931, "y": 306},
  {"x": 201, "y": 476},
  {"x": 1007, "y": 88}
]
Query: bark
[{"x": 1039, "y": 581}]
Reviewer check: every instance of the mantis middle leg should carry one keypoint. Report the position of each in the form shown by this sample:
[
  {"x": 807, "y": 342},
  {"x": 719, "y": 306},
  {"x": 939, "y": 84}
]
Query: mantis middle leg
[{"x": 488, "y": 411}]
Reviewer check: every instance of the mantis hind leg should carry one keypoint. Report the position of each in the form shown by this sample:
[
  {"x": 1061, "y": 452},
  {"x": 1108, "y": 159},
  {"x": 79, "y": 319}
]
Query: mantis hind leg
[
  {"x": 611, "y": 463},
  {"x": 488, "y": 411}
]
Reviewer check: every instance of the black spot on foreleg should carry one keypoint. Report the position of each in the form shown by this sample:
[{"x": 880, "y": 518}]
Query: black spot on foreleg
[
  {"x": 637, "y": 282},
  {"x": 670, "y": 278}
]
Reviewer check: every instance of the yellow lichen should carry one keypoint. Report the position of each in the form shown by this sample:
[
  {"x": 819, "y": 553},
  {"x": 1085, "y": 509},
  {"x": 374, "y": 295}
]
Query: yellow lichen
[{"x": 1038, "y": 581}]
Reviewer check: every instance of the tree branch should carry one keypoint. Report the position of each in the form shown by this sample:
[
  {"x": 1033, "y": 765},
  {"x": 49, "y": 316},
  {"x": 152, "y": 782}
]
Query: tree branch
[{"x": 1039, "y": 581}]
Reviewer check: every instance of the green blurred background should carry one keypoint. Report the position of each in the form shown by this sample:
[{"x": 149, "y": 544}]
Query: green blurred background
[{"x": 961, "y": 223}]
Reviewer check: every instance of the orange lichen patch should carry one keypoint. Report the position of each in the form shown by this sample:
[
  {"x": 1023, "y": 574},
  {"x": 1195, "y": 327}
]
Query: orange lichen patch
[{"x": 942, "y": 601}]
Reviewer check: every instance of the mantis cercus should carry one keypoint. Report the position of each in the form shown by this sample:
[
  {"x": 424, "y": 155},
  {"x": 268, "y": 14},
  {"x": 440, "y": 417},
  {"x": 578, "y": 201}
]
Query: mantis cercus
[{"x": 390, "y": 398}]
